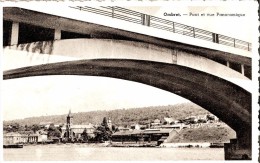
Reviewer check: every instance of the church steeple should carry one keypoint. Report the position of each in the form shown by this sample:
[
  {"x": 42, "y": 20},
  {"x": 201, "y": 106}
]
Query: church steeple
[
  {"x": 69, "y": 124},
  {"x": 70, "y": 115},
  {"x": 69, "y": 119}
]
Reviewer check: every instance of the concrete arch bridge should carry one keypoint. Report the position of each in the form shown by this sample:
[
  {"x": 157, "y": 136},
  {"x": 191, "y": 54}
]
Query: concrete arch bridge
[
  {"x": 206, "y": 72},
  {"x": 137, "y": 62}
]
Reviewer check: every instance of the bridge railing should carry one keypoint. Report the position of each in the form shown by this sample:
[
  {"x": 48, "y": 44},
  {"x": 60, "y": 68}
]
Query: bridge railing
[{"x": 166, "y": 25}]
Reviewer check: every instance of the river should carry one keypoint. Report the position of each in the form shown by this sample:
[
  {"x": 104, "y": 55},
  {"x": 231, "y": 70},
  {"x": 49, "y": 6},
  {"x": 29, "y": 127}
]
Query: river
[{"x": 85, "y": 152}]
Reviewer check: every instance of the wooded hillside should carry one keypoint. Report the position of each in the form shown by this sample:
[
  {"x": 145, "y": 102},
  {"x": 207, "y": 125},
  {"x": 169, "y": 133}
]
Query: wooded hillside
[{"x": 120, "y": 116}]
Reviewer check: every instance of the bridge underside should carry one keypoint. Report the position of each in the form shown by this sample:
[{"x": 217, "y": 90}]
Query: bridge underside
[
  {"x": 229, "y": 102},
  {"x": 50, "y": 23}
]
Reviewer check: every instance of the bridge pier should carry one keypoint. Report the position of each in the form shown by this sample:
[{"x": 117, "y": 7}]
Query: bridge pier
[
  {"x": 57, "y": 34},
  {"x": 14, "y": 33},
  {"x": 240, "y": 148}
]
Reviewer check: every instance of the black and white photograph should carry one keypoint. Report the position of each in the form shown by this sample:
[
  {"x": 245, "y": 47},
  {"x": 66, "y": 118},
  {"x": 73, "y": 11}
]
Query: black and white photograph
[{"x": 126, "y": 81}]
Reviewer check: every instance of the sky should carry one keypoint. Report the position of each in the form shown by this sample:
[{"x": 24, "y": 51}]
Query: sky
[
  {"x": 40, "y": 96},
  {"x": 32, "y": 97},
  {"x": 238, "y": 27}
]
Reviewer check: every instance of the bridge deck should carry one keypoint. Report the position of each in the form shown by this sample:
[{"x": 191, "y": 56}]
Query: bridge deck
[
  {"x": 128, "y": 20},
  {"x": 88, "y": 23}
]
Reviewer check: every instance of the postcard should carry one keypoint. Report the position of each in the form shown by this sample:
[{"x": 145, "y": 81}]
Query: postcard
[{"x": 129, "y": 81}]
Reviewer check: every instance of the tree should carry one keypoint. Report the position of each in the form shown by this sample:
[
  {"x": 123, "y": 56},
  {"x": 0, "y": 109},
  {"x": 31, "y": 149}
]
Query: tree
[
  {"x": 35, "y": 128},
  {"x": 85, "y": 136},
  {"x": 103, "y": 132},
  {"x": 104, "y": 121},
  {"x": 53, "y": 131},
  {"x": 15, "y": 127},
  {"x": 114, "y": 128},
  {"x": 26, "y": 128},
  {"x": 7, "y": 128}
]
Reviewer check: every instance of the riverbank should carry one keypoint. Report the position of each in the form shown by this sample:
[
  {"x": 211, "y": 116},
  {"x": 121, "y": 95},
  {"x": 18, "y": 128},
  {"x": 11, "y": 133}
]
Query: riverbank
[
  {"x": 200, "y": 137},
  {"x": 91, "y": 145},
  {"x": 124, "y": 145},
  {"x": 134, "y": 144},
  {"x": 192, "y": 145},
  {"x": 170, "y": 145}
]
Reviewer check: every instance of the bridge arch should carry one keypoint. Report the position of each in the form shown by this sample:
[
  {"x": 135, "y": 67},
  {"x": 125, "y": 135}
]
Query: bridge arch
[
  {"x": 42, "y": 52},
  {"x": 229, "y": 102}
]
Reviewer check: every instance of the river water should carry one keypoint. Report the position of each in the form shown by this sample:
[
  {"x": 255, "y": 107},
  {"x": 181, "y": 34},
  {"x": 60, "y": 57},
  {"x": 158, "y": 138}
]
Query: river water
[{"x": 85, "y": 152}]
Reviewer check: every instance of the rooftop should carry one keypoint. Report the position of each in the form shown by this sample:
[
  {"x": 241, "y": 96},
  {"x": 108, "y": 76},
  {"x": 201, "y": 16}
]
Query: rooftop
[{"x": 147, "y": 131}]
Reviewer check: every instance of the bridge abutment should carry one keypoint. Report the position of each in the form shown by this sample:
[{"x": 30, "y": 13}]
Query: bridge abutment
[{"x": 240, "y": 148}]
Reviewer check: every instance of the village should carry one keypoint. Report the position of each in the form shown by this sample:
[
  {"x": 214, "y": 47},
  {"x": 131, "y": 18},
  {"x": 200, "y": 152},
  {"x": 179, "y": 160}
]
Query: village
[{"x": 153, "y": 134}]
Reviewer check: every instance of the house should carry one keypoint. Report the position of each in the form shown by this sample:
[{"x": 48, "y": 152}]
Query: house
[
  {"x": 135, "y": 127},
  {"x": 177, "y": 126},
  {"x": 120, "y": 128},
  {"x": 168, "y": 120},
  {"x": 191, "y": 120},
  {"x": 33, "y": 138},
  {"x": 42, "y": 137},
  {"x": 211, "y": 117},
  {"x": 156, "y": 122},
  {"x": 14, "y": 138},
  {"x": 48, "y": 126},
  {"x": 202, "y": 118}
]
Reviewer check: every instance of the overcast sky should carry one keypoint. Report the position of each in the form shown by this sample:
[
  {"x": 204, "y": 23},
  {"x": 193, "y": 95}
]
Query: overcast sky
[
  {"x": 238, "y": 27},
  {"x": 37, "y": 96}
]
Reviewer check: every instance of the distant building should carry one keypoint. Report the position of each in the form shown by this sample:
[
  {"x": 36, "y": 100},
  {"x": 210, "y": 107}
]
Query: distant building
[
  {"x": 156, "y": 122},
  {"x": 202, "y": 118},
  {"x": 178, "y": 126},
  {"x": 148, "y": 135},
  {"x": 120, "y": 128},
  {"x": 48, "y": 126},
  {"x": 168, "y": 120},
  {"x": 14, "y": 138},
  {"x": 135, "y": 127},
  {"x": 138, "y": 127},
  {"x": 33, "y": 138},
  {"x": 71, "y": 131},
  {"x": 191, "y": 120},
  {"x": 42, "y": 137},
  {"x": 212, "y": 118}
]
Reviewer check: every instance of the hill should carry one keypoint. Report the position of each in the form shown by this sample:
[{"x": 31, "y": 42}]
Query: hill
[
  {"x": 217, "y": 133},
  {"x": 120, "y": 116}
]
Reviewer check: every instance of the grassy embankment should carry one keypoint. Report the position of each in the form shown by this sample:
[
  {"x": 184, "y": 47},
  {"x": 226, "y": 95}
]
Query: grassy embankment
[{"x": 211, "y": 133}]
